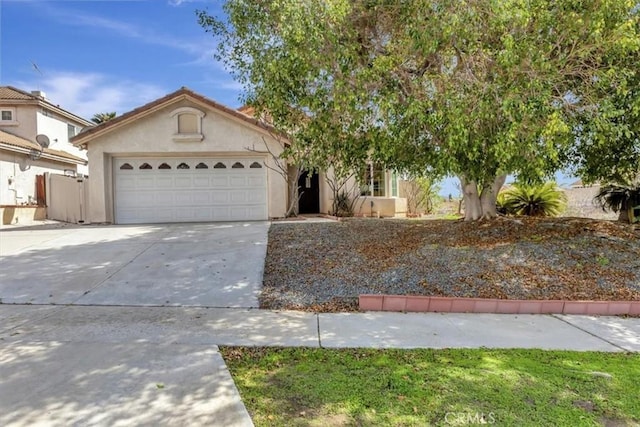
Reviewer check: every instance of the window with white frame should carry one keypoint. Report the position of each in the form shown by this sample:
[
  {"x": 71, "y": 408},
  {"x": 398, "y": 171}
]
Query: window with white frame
[
  {"x": 71, "y": 130},
  {"x": 8, "y": 116},
  {"x": 373, "y": 181},
  {"x": 188, "y": 124}
]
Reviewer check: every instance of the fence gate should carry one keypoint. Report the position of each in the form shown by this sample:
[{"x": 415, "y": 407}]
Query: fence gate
[{"x": 67, "y": 198}]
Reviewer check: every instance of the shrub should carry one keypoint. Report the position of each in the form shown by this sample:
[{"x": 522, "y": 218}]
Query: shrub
[
  {"x": 532, "y": 200},
  {"x": 619, "y": 198},
  {"x": 344, "y": 204}
]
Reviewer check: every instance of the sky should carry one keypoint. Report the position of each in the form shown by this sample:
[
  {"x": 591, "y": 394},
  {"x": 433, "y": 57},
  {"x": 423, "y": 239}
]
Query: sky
[
  {"x": 95, "y": 56},
  {"x": 99, "y": 56}
]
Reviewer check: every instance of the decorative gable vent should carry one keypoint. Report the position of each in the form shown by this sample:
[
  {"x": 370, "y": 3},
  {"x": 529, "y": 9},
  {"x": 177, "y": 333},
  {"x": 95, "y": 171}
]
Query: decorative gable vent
[{"x": 187, "y": 124}]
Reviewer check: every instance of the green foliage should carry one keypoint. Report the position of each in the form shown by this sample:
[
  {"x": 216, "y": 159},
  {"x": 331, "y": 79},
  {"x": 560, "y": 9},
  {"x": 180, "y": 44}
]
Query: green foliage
[
  {"x": 343, "y": 205},
  {"x": 306, "y": 387},
  {"x": 533, "y": 200},
  {"x": 473, "y": 89},
  {"x": 103, "y": 117},
  {"x": 421, "y": 194},
  {"x": 619, "y": 198}
]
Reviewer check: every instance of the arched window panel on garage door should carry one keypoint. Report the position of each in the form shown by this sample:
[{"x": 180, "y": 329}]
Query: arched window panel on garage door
[
  {"x": 255, "y": 165},
  {"x": 164, "y": 166},
  {"x": 202, "y": 165},
  {"x": 183, "y": 165},
  {"x": 220, "y": 165},
  {"x": 145, "y": 166},
  {"x": 237, "y": 165},
  {"x": 126, "y": 166}
]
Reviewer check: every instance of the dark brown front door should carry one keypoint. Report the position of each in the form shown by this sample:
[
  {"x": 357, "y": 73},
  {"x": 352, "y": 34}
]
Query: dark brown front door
[{"x": 309, "y": 187}]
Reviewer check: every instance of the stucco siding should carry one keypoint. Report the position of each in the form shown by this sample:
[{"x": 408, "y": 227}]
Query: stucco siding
[
  {"x": 153, "y": 135},
  {"x": 56, "y": 129},
  {"x": 22, "y": 172}
]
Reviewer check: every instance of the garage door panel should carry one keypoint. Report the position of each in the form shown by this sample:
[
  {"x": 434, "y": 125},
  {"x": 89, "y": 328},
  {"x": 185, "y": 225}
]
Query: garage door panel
[
  {"x": 188, "y": 194},
  {"x": 201, "y": 182}
]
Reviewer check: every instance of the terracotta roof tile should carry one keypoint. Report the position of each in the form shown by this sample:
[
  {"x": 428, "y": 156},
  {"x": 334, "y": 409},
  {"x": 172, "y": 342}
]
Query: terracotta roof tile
[
  {"x": 17, "y": 141},
  {"x": 8, "y": 92}
]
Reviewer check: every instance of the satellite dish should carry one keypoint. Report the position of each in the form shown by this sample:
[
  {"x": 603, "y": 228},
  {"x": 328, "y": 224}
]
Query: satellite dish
[{"x": 43, "y": 140}]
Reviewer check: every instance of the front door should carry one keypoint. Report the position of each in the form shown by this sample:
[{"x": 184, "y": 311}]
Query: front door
[{"x": 309, "y": 187}]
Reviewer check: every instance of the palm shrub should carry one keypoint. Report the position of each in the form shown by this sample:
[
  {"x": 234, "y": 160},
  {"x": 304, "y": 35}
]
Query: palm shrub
[
  {"x": 619, "y": 198},
  {"x": 532, "y": 200}
]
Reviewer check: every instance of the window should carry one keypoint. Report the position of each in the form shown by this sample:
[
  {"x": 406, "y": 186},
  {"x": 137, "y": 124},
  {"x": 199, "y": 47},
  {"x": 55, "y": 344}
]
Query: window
[
  {"x": 145, "y": 166},
  {"x": 126, "y": 166},
  {"x": 394, "y": 184},
  {"x": 255, "y": 165},
  {"x": 71, "y": 130},
  {"x": 219, "y": 165},
  {"x": 164, "y": 166},
  {"x": 188, "y": 124},
  {"x": 202, "y": 166},
  {"x": 237, "y": 165},
  {"x": 183, "y": 166},
  {"x": 372, "y": 181},
  {"x": 8, "y": 116}
]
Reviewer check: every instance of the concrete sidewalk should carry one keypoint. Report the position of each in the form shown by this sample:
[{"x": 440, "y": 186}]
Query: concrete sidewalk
[
  {"x": 252, "y": 327},
  {"x": 99, "y": 365}
]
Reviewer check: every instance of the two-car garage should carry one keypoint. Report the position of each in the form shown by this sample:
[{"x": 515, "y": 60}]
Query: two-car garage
[{"x": 183, "y": 189}]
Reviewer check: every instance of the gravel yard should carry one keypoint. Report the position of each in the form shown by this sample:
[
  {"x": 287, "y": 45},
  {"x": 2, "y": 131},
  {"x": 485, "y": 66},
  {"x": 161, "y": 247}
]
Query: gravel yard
[{"x": 325, "y": 266}]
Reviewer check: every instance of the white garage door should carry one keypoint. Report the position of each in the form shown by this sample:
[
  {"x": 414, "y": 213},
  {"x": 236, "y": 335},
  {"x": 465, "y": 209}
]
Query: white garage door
[{"x": 152, "y": 190}]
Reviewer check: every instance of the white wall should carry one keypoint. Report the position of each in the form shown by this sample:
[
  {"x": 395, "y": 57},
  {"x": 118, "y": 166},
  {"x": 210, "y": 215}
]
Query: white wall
[
  {"x": 56, "y": 129},
  {"x": 153, "y": 136},
  {"x": 23, "y": 172}
]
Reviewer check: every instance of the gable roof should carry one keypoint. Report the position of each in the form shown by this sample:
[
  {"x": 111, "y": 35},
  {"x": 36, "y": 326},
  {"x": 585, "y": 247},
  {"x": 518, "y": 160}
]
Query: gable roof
[
  {"x": 13, "y": 96},
  {"x": 87, "y": 135},
  {"x": 11, "y": 142}
]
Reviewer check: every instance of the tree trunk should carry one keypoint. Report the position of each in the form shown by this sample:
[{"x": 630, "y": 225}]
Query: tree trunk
[
  {"x": 489, "y": 196},
  {"x": 481, "y": 205},
  {"x": 472, "y": 205}
]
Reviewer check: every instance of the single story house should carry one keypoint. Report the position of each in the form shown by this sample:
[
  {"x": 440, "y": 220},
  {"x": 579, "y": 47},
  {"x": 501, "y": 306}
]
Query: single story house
[{"x": 187, "y": 158}]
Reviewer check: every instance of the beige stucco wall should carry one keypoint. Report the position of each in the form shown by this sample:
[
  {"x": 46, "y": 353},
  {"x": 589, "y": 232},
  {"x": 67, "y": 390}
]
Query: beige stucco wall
[
  {"x": 152, "y": 135},
  {"x": 382, "y": 206},
  {"x": 26, "y": 124},
  {"x": 21, "y": 171}
]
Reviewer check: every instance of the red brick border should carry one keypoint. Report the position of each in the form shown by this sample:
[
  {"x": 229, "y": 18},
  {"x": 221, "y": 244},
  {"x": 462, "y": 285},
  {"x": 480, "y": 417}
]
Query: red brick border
[{"x": 422, "y": 304}]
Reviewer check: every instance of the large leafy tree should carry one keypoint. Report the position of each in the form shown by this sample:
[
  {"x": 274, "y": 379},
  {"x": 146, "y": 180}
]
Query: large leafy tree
[{"x": 479, "y": 89}]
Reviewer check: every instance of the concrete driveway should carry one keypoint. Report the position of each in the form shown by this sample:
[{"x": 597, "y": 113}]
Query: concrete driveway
[{"x": 205, "y": 265}]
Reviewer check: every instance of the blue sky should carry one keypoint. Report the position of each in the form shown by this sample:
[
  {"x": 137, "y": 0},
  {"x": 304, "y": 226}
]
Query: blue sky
[{"x": 97, "y": 56}]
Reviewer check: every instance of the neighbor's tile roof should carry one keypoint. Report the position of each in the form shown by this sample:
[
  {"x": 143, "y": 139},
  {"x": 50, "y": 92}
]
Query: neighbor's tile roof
[
  {"x": 17, "y": 141},
  {"x": 8, "y": 92}
]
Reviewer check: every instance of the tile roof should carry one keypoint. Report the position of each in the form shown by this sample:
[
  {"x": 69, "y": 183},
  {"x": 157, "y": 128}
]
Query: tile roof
[
  {"x": 17, "y": 141},
  {"x": 8, "y": 92},
  {"x": 182, "y": 92}
]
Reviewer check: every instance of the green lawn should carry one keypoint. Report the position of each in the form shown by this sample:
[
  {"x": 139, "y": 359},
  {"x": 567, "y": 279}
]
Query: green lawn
[{"x": 302, "y": 386}]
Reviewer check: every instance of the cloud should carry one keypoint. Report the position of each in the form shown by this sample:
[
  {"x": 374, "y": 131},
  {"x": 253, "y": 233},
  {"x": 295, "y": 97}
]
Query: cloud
[
  {"x": 181, "y": 2},
  {"x": 129, "y": 30},
  {"x": 86, "y": 94}
]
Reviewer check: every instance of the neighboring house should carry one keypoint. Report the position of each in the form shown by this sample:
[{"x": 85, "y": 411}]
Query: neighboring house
[
  {"x": 185, "y": 158},
  {"x": 580, "y": 202},
  {"x": 24, "y": 116}
]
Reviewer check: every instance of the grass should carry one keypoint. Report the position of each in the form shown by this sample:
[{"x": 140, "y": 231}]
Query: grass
[{"x": 362, "y": 387}]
